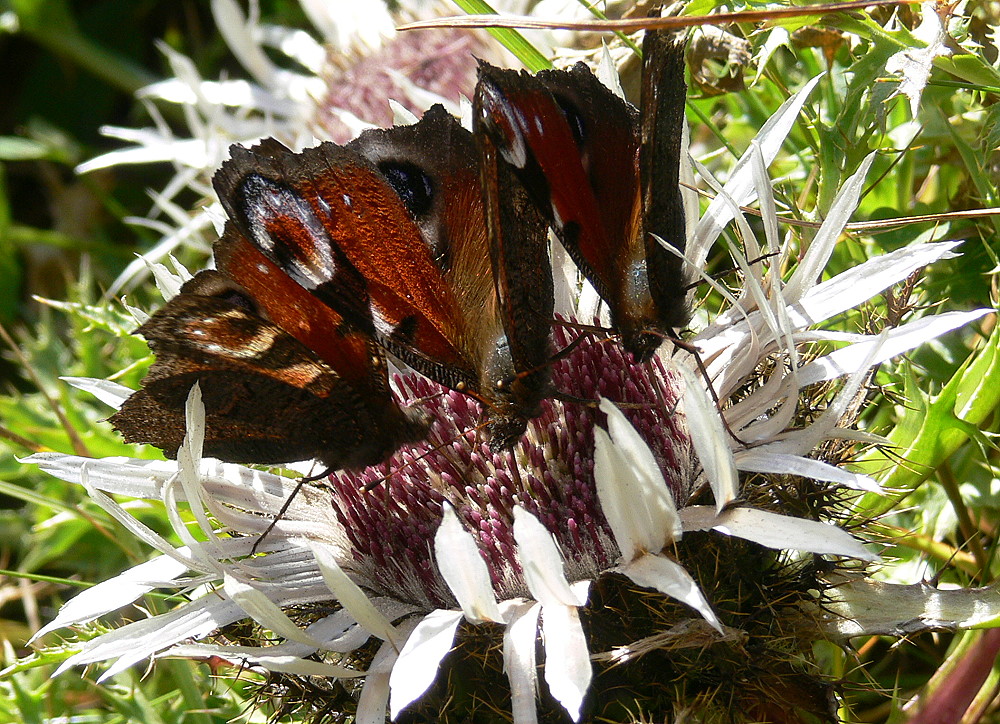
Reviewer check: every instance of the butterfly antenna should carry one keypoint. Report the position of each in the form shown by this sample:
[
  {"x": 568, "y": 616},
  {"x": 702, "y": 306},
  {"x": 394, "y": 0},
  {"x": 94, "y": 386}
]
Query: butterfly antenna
[
  {"x": 693, "y": 351},
  {"x": 421, "y": 400},
  {"x": 588, "y": 402},
  {"x": 584, "y": 327},
  {"x": 286, "y": 504},
  {"x": 560, "y": 355}
]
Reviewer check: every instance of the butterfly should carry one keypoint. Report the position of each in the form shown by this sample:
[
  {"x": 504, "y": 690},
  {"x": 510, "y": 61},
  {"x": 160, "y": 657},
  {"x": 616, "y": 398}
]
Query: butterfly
[
  {"x": 282, "y": 378},
  {"x": 604, "y": 175},
  {"x": 426, "y": 242},
  {"x": 390, "y": 231}
]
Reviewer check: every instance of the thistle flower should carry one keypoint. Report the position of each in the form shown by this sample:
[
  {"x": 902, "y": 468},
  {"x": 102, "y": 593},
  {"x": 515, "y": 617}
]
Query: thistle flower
[{"x": 652, "y": 544}]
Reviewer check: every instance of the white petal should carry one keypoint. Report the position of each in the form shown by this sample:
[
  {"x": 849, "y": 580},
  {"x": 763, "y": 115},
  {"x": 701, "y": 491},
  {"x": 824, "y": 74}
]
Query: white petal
[
  {"x": 345, "y": 25},
  {"x": 265, "y": 612},
  {"x": 188, "y": 232},
  {"x": 238, "y": 34},
  {"x": 710, "y": 439},
  {"x": 338, "y": 632},
  {"x": 140, "y": 316},
  {"x": 768, "y": 207},
  {"x": 192, "y": 152},
  {"x": 139, "y": 640},
  {"x": 145, "y": 479},
  {"x": 566, "y": 282},
  {"x": 110, "y": 393},
  {"x": 634, "y": 497},
  {"x": 141, "y": 531},
  {"x": 631, "y": 537},
  {"x": 172, "y": 90},
  {"x": 375, "y": 693},
  {"x": 821, "y": 247},
  {"x": 464, "y": 570},
  {"x": 541, "y": 562},
  {"x": 765, "y": 460},
  {"x": 116, "y": 592},
  {"x": 297, "y": 45},
  {"x": 351, "y": 597},
  {"x": 740, "y": 184},
  {"x": 901, "y": 339},
  {"x": 914, "y": 64},
  {"x": 607, "y": 72},
  {"x": 194, "y": 420},
  {"x": 420, "y": 97},
  {"x": 857, "y": 284},
  {"x": 568, "y": 671},
  {"x": 418, "y": 662},
  {"x": 519, "y": 660},
  {"x": 670, "y": 578},
  {"x": 777, "y": 531},
  {"x": 262, "y": 656},
  {"x": 776, "y": 38},
  {"x": 189, "y": 478},
  {"x": 401, "y": 116},
  {"x": 589, "y": 305},
  {"x": 167, "y": 282}
]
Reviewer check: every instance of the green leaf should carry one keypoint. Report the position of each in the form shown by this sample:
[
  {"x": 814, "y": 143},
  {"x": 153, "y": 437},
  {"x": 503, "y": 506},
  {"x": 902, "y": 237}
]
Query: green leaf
[
  {"x": 933, "y": 428},
  {"x": 971, "y": 68},
  {"x": 510, "y": 39},
  {"x": 15, "y": 148}
]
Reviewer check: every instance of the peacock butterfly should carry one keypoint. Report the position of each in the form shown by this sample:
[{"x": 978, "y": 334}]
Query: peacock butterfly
[
  {"x": 605, "y": 176},
  {"x": 390, "y": 232},
  {"x": 282, "y": 379},
  {"x": 426, "y": 241}
]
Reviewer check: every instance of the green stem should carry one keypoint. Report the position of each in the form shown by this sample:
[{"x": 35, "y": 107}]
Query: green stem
[{"x": 510, "y": 39}]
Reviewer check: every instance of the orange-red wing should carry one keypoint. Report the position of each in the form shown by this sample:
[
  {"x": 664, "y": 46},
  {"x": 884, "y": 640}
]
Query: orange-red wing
[
  {"x": 332, "y": 223},
  {"x": 299, "y": 313}
]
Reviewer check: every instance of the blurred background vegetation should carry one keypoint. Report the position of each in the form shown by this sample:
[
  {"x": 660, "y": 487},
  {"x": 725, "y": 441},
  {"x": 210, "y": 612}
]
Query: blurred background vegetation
[{"x": 69, "y": 68}]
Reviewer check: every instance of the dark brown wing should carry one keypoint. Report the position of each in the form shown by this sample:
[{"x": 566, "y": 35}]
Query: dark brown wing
[
  {"x": 522, "y": 274},
  {"x": 663, "y": 97},
  {"x": 268, "y": 398},
  {"x": 574, "y": 145}
]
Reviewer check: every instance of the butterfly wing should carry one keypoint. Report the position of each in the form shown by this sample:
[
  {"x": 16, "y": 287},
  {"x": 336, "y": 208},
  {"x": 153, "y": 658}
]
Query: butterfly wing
[
  {"x": 505, "y": 326},
  {"x": 327, "y": 219},
  {"x": 287, "y": 305},
  {"x": 389, "y": 232},
  {"x": 663, "y": 96},
  {"x": 268, "y": 398},
  {"x": 575, "y": 146}
]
